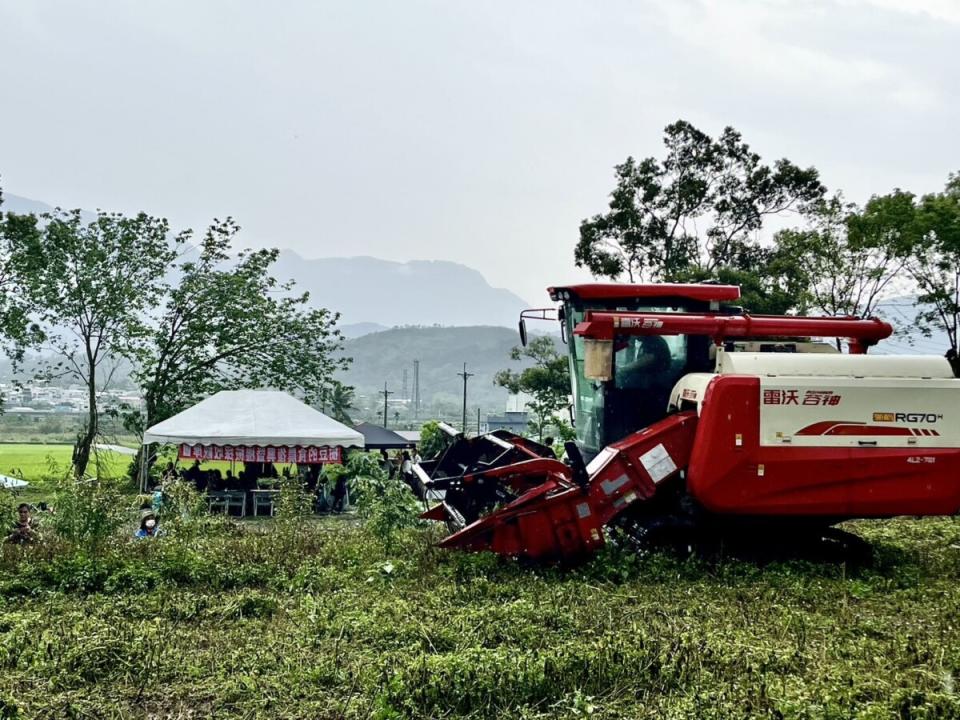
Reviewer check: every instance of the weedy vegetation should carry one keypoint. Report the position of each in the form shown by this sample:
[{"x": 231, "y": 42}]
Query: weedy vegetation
[{"x": 361, "y": 616}]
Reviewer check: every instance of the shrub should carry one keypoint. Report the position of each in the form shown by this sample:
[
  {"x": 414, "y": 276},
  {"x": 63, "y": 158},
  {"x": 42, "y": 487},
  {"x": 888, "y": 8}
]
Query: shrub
[
  {"x": 88, "y": 512},
  {"x": 8, "y": 709},
  {"x": 249, "y": 605},
  {"x": 433, "y": 440},
  {"x": 182, "y": 502},
  {"x": 132, "y": 578},
  {"x": 8, "y": 512},
  {"x": 80, "y": 572},
  {"x": 385, "y": 503},
  {"x": 294, "y": 502}
]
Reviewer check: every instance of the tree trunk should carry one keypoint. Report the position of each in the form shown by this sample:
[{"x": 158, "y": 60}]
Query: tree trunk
[{"x": 82, "y": 450}]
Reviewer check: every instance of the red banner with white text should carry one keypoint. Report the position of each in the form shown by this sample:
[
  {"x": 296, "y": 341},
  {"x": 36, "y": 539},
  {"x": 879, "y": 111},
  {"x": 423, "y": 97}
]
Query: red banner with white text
[{"x": 255, "y": 453}]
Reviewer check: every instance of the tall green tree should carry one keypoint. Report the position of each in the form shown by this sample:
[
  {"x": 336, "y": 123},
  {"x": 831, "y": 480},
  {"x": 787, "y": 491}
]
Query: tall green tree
[
  {"x": 17, "y": 331},
  {"x": 547, "y": 382},
  {"x": 839, "y": 274},
  {"x": 6, "y": 322},
  {"x": 340, "y": 403},
  {"x": 925, "y": 234},
  {"x": 89, "y": 287},
  {"x": 225, "y": 322},
  {"x": 696, "y": 214}
]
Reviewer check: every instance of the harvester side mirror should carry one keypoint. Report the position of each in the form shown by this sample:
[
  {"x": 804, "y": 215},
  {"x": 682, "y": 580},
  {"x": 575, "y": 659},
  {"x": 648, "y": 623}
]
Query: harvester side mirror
[
  {"x": 523, "y": 332},
  {"x": 598, "y": 359}
]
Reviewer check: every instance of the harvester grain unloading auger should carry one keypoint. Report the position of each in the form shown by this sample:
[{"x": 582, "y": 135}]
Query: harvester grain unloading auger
[{"x": 689, "y": 410}]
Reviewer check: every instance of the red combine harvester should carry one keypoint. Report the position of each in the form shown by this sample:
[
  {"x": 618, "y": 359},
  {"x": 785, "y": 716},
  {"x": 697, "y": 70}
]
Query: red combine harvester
[{"x": 690, "y": 413}]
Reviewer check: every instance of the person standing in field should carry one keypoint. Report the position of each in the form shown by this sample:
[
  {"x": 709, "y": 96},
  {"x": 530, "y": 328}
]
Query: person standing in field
[
  {"x": 24, "y": 530},
  {"x": 386, "y": 463},
  {"x": 340, "y": 494},
  {"x": 406, "y": 468}
]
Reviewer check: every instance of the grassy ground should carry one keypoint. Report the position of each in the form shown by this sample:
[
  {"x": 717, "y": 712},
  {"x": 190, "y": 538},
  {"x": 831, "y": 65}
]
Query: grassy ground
[{"x": 321, "y": 620}]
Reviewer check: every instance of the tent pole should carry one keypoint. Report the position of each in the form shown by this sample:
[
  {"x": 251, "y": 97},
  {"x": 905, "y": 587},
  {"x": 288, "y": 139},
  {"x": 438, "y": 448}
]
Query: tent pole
[
  {"x": 144, "y": 450},
  {"x": 143, "y": 468}
]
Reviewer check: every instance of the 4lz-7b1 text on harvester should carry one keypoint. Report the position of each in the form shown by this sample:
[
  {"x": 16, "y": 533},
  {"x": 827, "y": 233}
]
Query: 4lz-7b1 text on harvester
[{"x": 691, "y": 413}]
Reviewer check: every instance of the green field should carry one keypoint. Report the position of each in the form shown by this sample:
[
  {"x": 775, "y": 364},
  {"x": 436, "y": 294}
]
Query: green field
[
  {"x": 32, "y": 462},
  {"x": 320, "y": 620}
]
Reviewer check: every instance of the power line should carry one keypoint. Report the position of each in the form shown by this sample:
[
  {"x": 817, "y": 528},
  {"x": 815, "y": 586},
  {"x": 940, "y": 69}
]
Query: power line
[
  {"x": 416, "y": 389},
  {"x": 386, "y": 393},
  {"x": 465, "y": 375}
]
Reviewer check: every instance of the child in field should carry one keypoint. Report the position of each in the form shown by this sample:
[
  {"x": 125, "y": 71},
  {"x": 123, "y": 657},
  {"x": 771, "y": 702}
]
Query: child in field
[{"x": 148, "y": 525}]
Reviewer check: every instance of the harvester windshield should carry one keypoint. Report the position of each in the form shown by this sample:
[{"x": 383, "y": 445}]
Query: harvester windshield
[
  {"x": 644, "y": 371},
  {"x": 644, "y": 368}
]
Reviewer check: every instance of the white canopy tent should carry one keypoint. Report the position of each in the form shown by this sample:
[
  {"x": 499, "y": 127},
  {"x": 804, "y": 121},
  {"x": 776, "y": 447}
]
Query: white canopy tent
[
  {"x": 253, "y": 417},
  {"x": 12, "y": 483}
]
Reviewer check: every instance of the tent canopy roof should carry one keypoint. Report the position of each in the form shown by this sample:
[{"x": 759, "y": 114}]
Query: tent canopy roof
[
  {"x": 377, "y": 437},
  {"x": 253, "y": 417},
  {"x": 12, "y": 483}
]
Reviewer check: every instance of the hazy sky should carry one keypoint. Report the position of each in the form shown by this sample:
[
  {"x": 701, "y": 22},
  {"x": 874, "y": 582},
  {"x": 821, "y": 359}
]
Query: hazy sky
[{"x": 479, "y": 132}]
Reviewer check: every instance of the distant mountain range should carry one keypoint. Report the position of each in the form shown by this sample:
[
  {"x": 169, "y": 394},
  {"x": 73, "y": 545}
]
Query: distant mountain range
[
  {"x": 387, "y": 293},
  {"x": 355, "y": 330},
  {"x": 26, "y": 206},
  {"x": 372, "y": 294}
]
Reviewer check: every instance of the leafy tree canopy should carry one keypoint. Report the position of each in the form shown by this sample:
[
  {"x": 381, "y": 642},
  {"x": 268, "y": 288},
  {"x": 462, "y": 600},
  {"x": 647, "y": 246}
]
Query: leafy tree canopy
[
  {"x": 924, "y": 235},
  {"x": 17, "y": 331},
  {"x": 837, "y": 273},
  {"x": 227, "y": 323},
  {"x": 547, "y": 382},
  {"x": 190, "y": 320},
  {"x": 89, "y": 289},
  {"x": 695, "y": 215},
  {"x": 433, "y": 440}
]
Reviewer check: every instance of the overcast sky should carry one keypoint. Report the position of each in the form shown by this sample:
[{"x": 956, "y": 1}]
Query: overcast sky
[{"x": 479, "y": 132}]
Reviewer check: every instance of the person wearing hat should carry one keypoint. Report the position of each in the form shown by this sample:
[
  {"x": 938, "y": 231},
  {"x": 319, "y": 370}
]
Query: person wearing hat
[{"x": 148, "y": 525}]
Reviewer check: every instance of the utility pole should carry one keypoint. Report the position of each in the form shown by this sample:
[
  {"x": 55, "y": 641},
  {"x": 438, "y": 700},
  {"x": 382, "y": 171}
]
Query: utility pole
[
  {"x": 416, "y": 389},
  {"x": 478, "y": 420},
  {"x": 465, "y": 375},
  {"x": 386, "y": 393}
]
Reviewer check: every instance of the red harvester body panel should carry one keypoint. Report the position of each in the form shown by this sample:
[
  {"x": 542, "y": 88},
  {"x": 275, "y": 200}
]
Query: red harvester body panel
[{"x": 838, "y": 482}]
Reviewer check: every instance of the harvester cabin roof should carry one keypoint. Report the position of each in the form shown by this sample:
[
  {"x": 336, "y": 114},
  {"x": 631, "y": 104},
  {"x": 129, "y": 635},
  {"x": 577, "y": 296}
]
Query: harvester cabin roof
[{"x": 623, "y": 291}]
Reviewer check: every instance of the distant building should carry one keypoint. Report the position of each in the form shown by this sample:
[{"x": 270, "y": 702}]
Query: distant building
[
  {"x": 514, "y": 421},
  {"x": 517, "y": 402}
]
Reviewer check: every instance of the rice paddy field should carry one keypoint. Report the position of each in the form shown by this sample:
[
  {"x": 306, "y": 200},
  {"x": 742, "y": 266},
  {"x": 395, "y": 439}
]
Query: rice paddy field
[{"x": 32, "y": 461}]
